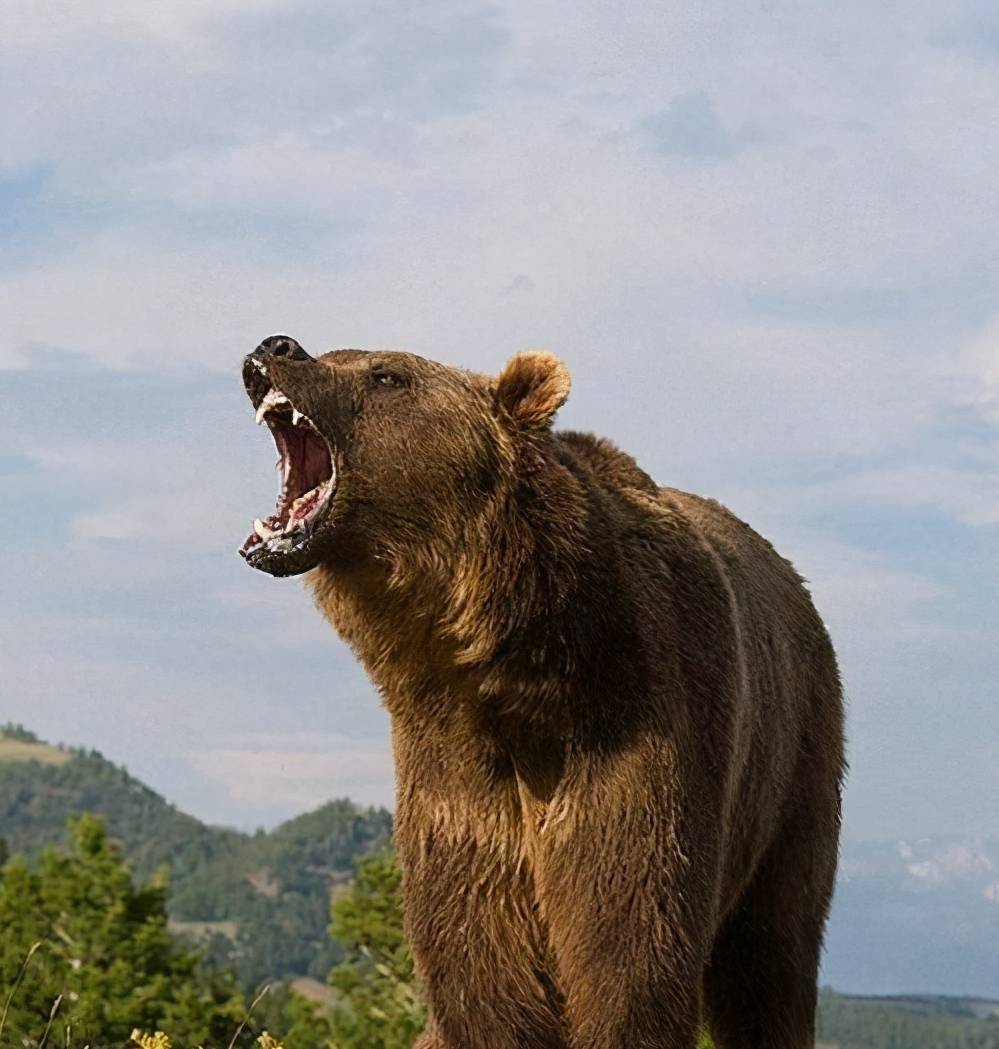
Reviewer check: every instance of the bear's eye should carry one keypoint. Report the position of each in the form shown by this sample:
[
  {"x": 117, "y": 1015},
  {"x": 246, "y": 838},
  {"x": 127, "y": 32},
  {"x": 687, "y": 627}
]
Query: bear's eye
[{"x": 388, "y": 380}]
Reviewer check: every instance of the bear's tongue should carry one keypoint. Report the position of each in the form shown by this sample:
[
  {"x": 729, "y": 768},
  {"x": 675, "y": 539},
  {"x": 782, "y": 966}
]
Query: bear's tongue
[{"x": 308, "y": 475}]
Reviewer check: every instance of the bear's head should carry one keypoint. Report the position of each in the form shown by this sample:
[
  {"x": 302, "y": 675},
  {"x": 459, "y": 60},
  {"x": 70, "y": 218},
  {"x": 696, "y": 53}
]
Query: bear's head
[{"x": 384, "y": 453}]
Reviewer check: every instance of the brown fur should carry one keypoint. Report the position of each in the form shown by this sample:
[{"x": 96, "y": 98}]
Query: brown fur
[{"x": 616, "y": 721}]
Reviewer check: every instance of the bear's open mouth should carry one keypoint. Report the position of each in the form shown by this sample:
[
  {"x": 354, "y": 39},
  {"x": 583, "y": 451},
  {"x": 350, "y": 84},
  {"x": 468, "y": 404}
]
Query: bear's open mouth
[{"x": 307, "y": 464}]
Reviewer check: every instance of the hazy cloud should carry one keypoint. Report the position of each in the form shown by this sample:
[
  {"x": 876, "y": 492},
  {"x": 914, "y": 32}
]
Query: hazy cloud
[
  {"x": 689, "y": 127},
  {"x": 275, "y": 776}
]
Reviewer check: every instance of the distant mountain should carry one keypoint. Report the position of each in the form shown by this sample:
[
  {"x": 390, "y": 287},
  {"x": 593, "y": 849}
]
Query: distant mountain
[
  {"x": 916, "y": 916},
  {"x": 258, "y": 901}
]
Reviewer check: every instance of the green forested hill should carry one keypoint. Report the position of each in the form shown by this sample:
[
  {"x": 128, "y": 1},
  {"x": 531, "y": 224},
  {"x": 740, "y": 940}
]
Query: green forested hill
[
  {"x": 260, "y": 901},
  {"x": 40, "y": 785},
  {"x": 907, "y": 1022}
]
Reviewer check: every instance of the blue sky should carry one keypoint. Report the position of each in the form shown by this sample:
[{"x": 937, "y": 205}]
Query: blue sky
[{"x": 762, "y": 236}]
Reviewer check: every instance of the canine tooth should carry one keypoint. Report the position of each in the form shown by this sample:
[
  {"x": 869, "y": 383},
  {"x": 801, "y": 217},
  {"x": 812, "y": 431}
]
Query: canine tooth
[
  {"x": 295, "y": 416},
  {"x": 272, "y": 399},
  {"x": 263, "y": 531}
]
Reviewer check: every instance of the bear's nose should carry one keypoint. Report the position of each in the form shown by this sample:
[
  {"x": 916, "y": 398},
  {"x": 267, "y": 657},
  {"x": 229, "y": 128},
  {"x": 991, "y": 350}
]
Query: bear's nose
[{"x": 281, "y": 346}]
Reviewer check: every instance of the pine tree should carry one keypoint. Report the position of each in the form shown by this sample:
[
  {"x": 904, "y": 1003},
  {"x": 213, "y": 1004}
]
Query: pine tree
[
  {"x": 105, "y": 952},
  {"x": 380, "y": 1007}
]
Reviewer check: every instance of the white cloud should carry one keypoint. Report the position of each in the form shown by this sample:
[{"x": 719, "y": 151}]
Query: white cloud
[
  {"x": 980, "y": 359},
  {"x": 451, "y": 206},
  {"x": 278, "y": 777},
  {"x": 955, "y": 861}
]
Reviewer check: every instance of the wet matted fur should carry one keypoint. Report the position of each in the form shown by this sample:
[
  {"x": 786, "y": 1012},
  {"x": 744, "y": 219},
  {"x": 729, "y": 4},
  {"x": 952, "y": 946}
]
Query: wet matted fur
[{"x": 616, "y": 715}]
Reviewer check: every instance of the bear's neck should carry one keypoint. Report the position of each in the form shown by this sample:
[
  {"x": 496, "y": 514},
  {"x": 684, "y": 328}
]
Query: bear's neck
[{"x": 501, "y": 619}]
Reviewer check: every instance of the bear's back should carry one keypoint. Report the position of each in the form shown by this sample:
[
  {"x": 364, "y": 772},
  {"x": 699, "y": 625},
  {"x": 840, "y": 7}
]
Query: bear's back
[
  {"x": 751, "y": 565},
  {"x": 766, "y": 586}
]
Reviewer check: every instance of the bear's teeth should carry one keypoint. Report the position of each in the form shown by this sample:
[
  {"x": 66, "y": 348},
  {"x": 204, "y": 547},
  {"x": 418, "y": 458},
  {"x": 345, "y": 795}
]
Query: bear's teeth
[
  {"x": 296, "y": 506},
  {"x": 263, "y": 531},
  {"x": 273, "y": 399},
  {"x": 295, "y": 416}
]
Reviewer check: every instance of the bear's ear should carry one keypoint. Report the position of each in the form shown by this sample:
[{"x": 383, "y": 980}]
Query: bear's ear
[{"x": 532, "y": 388}]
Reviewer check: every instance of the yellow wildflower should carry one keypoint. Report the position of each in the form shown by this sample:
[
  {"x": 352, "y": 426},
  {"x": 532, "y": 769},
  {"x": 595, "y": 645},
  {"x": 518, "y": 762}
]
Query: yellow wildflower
[{"x": 157, "y": 1040}]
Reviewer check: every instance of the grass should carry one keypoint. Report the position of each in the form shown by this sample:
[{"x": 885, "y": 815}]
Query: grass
[
  {"x": 17, "y": 983},
  {"x": 19, "y": 750}
]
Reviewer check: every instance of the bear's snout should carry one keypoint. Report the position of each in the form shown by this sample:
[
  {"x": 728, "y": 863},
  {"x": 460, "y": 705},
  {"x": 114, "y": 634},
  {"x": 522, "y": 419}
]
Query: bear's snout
[{"x": 281, "y": 346}]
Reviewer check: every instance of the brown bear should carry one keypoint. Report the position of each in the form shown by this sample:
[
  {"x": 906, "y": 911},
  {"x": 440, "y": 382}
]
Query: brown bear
[{"x": 616, "y": 715}]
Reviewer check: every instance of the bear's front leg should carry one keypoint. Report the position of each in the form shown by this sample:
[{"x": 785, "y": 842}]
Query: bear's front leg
[
  {"x": 477, "y": 941},
  {"x": 626, "y": 882}
]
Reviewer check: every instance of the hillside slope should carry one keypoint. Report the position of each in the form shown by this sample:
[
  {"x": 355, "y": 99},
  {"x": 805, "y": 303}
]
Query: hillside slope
[
  {"x": 259, "y": 901},
  {"x": 907, "y": 1022}
]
